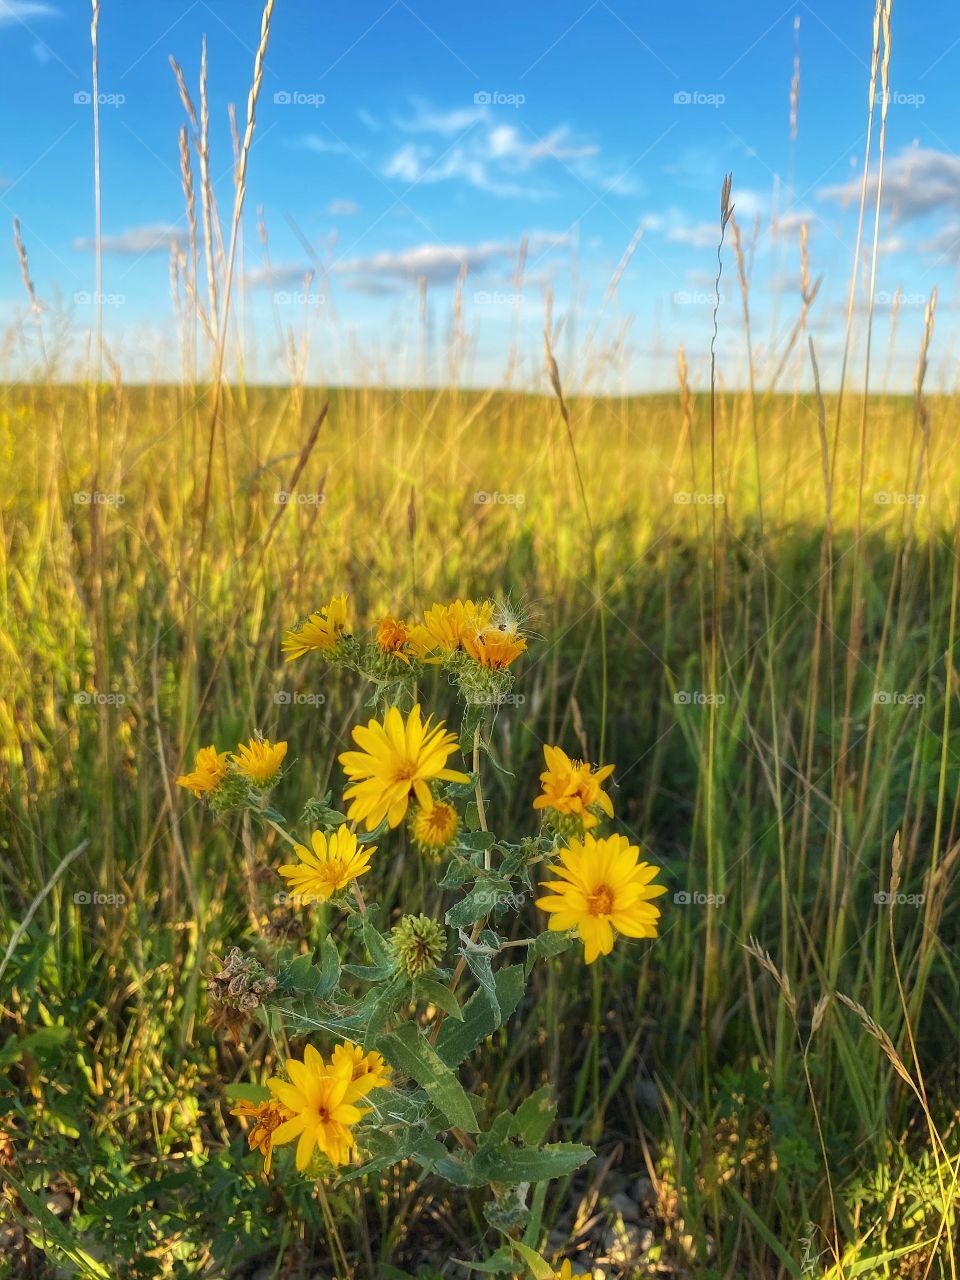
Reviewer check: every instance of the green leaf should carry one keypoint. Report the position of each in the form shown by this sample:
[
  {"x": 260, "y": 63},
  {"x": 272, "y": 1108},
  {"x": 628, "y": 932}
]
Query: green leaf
[
  {"x": 457, "y": 1039},
  {"x": 536, "y": 1266},
  {"x": 485, "y": 896},
  {"x": 476, "y": 841},
  {"x": 436, "y": 993},
  {"x": 383, "y": 1004},
  {"x": 510, "y": 1164},
  {"x": 533, "y": 1117},
  {"x": 408, "y": 1051},
  {"x": 547, "y": 944}
]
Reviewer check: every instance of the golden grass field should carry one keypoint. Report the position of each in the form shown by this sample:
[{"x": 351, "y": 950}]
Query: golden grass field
[{"x": 744, "y": 599}]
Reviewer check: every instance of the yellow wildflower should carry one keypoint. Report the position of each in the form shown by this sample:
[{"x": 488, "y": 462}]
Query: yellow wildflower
[
  {"x": 396, "y": 759},
  {"x": 267, "y": 1117},
  {"x": 602, "y": 886},
  {"x": 320, "y": 1117},
  {"x": 331, "y": 865},
  {"x": 259, "y": 760},
  {"x": 209, "y": 771},
  {"x": 572, "y": 787},
  {"x": 320, "y": 631}
]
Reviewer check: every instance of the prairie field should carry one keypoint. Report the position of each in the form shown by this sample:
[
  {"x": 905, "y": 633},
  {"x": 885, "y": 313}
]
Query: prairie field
[{"x": 741, "y": 593}]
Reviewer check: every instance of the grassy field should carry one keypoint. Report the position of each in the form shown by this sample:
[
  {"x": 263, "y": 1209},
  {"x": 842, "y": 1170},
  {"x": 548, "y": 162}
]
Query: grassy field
[{"x": 763, "y": 644}]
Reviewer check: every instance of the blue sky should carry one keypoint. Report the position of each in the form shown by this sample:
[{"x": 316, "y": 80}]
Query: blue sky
[{"x": 402, "y": 141}]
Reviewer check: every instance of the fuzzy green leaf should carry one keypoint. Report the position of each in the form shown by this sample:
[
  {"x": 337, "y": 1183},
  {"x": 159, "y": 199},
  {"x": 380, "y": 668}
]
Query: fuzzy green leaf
[{"x": 408, "y": 1051}]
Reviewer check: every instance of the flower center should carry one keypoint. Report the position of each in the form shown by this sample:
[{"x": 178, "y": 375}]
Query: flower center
[
  {"x": 600, "y": 902},
  {"x": 405, "y": 771}
]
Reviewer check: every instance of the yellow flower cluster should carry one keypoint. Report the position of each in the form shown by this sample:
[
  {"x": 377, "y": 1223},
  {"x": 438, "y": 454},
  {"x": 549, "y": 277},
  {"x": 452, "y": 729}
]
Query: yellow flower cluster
[
  {"x": 316, "y": 1104},
  {"x": 329, "y": 866},
  {"x": 258, "y": 762},
  {"x": 320, "y": 631},
  {"x": 572, "y": 788},
  {"x": 601, "y": 887},
  {"x": 465, "y": 626}
]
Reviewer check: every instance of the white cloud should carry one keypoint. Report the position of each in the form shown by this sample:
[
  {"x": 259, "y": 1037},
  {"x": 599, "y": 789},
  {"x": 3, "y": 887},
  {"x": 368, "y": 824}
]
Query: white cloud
[
  {"x": 438, "y": 263},
  {"x": 277, "y": 274},
  {"x": 343, "y": 208},
  {"x": 136, "y": 241},
  {"x": 12, "y": 11},
  {"x": 917, "y": 182},
  {"x": 481, "y": 147},
  {"x": 323, "y": 146}
]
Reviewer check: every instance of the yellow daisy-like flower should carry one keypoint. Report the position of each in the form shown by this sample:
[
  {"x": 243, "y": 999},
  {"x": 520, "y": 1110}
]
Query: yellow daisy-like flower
[
  {"x": 572, "y": 787},
  {"x": 602, "y": 886},
  {"x": 209, "y": 771},
  {"x": 392, "y": 637},
  {"x": 493, "y": 648},
  {"x": 446, "y": 626},
  {"x": 267, "y": 1117},
  {"x": 320, "y": 631},
  {"x": 320, "y": 1115},
  {"x": 259, "y": 760},
  {"x": 332, "y": 863},
  {"x": 434, "y": 829},
  {"x": 367, "y": 1070},
  {"x": 396, "y": 759}
]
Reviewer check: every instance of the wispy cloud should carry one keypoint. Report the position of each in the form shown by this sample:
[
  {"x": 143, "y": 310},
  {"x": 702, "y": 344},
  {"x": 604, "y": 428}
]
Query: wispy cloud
[
  {"x": 343, "y": 208},
  {"x": 438, "y": 263},
  {"x": 917, "y": 182},
  {"x": 476, "y": 146},
  {"x": 12, "y": 11},
  {"x": 136, "y": 241}
]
